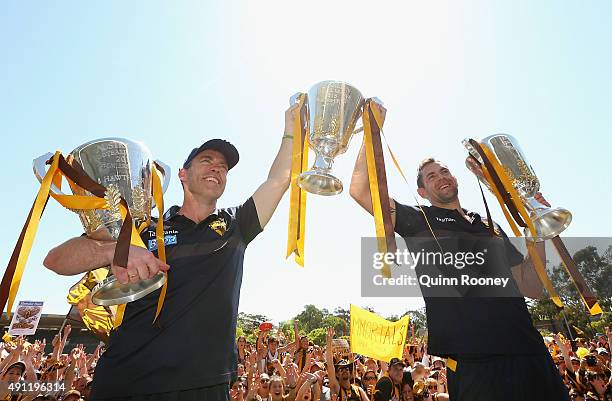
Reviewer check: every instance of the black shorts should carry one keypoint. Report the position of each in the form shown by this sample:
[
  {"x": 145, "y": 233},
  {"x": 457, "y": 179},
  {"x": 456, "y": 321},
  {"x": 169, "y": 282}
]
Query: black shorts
[
  {"x": 219, "y": 392},
  {"x": 506, "y": 378}
]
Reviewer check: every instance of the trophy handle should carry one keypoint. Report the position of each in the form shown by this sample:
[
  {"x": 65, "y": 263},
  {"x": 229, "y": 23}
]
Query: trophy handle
[
  {"x": 375, "y": 100},
  {"x": 165, "y": 170},
  {"x": 294, "y": 99},
  {"x": 39, "y": 165},
  {"x": 466, "y": 143}
]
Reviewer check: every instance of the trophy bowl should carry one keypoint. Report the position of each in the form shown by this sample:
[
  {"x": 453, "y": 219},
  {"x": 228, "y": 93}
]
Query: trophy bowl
[
  {"x": 333, "y": 110},
  {"x": 124, "y": 168},
  {"x": 548, "y": 222}
]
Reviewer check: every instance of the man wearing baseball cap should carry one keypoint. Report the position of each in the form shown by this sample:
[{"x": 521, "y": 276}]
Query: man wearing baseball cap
[
  {"x": 188, "y": 353},
  {"x": 389, "y": 386}
]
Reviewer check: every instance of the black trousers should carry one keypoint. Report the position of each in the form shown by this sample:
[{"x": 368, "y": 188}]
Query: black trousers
[
  {"x": 219, "y": 392},
  {"x": 506, "y": 378}
]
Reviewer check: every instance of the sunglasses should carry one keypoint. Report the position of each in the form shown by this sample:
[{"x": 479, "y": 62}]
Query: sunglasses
[
  {"x": 341, "y": 368},
  {"x": 369, "y": 378},
  {"x": 264, "y": 380}
]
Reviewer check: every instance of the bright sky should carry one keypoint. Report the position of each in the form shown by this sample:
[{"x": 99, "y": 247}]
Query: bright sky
[{"x": 174, "y": 74}]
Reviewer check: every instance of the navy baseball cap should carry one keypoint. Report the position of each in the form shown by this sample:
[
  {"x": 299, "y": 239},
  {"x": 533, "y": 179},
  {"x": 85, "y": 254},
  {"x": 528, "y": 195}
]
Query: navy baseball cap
[{"x": 220, "y": 145}]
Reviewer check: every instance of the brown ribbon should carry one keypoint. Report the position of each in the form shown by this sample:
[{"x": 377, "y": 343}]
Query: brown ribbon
[
  {"x": 489, "y": 219},
  {"x": 581, "y": 285},
  {"x": 498, "y": 184},
  {"x": 76, "y": 173},
  {"x": 381, "y": 175},
  {"x": 9, "y": 273},
  {"x": 589, "y": 298}
]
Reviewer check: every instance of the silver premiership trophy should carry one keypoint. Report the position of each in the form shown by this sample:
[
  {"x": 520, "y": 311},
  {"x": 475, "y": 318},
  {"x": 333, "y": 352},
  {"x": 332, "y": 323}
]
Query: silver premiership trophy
[
  {"x": 548, "y": 222},
  {"x": 334, "y": 108},
  {"x": 124, "y": 168}
]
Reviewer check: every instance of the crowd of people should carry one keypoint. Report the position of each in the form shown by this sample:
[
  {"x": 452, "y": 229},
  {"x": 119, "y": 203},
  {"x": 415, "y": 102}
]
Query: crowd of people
[
  {"x": 274, "y": 370},
  {"x": 28, "y": 372},
  {"x": 277, "y": 369}
]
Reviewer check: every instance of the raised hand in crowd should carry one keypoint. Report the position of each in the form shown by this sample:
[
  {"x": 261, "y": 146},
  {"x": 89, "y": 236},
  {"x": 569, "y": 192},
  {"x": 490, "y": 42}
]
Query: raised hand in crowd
[{"x": 254, "y": 388}]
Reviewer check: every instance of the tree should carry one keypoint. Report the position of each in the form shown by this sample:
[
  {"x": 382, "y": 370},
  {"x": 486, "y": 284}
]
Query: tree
[
  {"x": 597, "y": 272},
  {"x": 341, "y": 328},
  {"x": 318, "y": 336},
  {"x": 249, "y": 323},
  {"x": 311, "y": 318},
  {"x": 417, "y": 318}
]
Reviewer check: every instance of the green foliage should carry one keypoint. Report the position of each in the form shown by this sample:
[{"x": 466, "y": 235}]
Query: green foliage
[
  {"x": 248, "y": 324},
  {"x": 596, "y": 269},
  {"x": 318, "y": 336},
  {"x": 341, "y": 327},
  {"x": 311, "y": 318},
  {"x": 287, "y": 328}
]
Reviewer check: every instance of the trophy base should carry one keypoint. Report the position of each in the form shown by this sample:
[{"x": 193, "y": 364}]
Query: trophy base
[
  {"x": 549, "y": 223},
  {"x": 319, "y": 183},
  {"x": 111, "y": 292}
]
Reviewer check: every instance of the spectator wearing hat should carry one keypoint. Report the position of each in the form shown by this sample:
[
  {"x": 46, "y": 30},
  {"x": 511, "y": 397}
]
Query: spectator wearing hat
[
  {"x": 72, "y": 395},
  {"x": 389, "y": 386},
  {"x": 418, "y": 372},
  {"x": 340, "y": 375},
  {"x": 205, "y": 248},
  {"x": 368, "y": 382},
  {"x": 264, "y": 386},
  {"x": 372, "y": 364}
]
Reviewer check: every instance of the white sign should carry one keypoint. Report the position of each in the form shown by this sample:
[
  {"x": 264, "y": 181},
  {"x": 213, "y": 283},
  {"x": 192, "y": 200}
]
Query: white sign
[
  {"x": 341, "y": 346},
  {"x": 26, "y": 318}
]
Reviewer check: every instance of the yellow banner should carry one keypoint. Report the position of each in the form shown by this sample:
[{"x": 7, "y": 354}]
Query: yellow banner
[{"x": 375, "y": 337}]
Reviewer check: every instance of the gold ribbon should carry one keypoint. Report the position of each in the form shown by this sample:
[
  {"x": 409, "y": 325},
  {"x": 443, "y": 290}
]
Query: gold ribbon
[
  {"x": 373, "y": 178},
  {"x": 54, "y": 176},
  {"x": 159, "y": 234},
  {"x": 30, "y": 231},
  {"x": 518, "y": 204},
  {"x": 297, "y": 200}
]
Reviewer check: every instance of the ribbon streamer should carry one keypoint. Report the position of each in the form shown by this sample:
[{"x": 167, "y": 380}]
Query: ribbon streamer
[
  {"x": 589, "y": 299},
  {"x": 377, "y": 177},
  {"x": 14, "y": 270},
  {"x": 512, "y": 205},
  {"x": 297, "y": 200},
  {"x": 76, "y": 177},
  {"x": 508, "y": 197},
  {"x": 159, "y": 234}
]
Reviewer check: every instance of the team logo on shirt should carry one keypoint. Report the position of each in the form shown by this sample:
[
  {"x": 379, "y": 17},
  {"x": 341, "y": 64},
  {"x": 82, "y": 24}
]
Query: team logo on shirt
[
  {"x": 445, "y": 219},
  {"x": 219, "y": 226},
  {"x": 495, "y": 227}
]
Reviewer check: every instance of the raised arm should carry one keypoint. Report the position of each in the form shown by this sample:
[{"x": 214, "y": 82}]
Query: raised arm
[
  {"x": 13, "y": 355},
  {"x": 28, "y": 355},
  {"x": 360, "y": 183},
  {"x": 269, "y": 194},
  {"x": 564, "y": 347},
  {"x": 293, "y": 346},
  {"x": 334, "y": 386}
]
